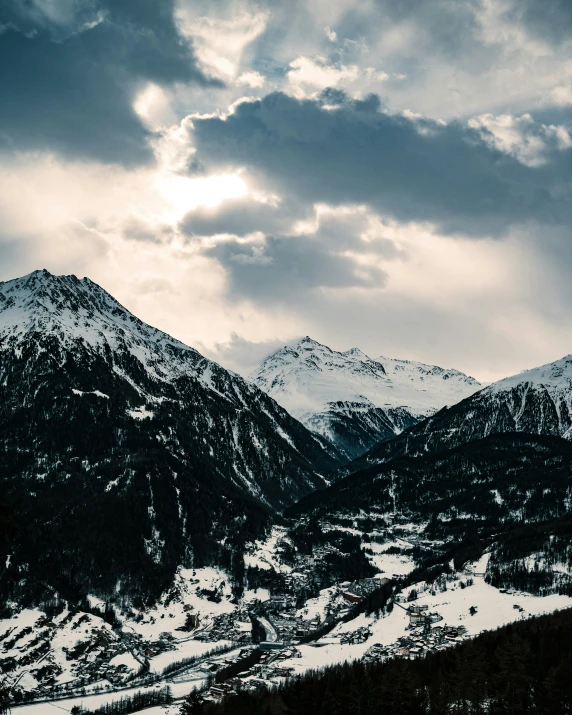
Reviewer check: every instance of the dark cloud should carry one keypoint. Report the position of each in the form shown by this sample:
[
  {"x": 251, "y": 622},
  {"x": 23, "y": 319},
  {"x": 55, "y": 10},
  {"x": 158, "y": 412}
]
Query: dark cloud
[
  {"x": 549, "y": 20},
  {"x": 284, "y": 269},
  {"x": 242, "y": 217},
  {"x": 408, "y": 168},
  {"x": 68, "y": 79}
]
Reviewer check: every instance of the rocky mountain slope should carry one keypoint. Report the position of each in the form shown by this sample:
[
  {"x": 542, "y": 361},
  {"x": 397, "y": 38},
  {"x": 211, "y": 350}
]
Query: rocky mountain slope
[
  {"x": 537, "y": 401},
  {"x": 500, "y": 479},
  {"x": 352, "y": 400},
  {"x": 505, "y": 499},
  {"x": 125, "y": 453}
]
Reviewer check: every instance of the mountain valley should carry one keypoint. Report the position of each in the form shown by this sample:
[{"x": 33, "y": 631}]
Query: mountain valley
[{"x": 166, "y": 523}]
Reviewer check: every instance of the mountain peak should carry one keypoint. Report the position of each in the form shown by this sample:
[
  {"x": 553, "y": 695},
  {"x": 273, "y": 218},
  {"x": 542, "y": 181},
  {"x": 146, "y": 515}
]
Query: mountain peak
[
  {"x": 356, "y": 353},
  {"x": 305, "y": 343},
  {"x": 40, "y": 307},
  {"x": 324, "y": 388},
  {"x": 101, "y": 410}
]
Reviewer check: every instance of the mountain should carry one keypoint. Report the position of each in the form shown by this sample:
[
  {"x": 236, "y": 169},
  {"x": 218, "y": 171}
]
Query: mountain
[
  {"x": 125, "y": 453},
  {"x": 352, "y": 400},
  {"x": 502, "y": 478},
  {"x": 505, "y": 498},
  {"x": 537, "y": 401}
]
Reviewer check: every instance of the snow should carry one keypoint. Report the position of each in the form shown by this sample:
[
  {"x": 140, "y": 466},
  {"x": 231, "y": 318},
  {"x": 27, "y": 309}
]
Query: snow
[
  {"x": 141, "y": 413},
  {"x": 81, "y": 313},
  {"x": 307, "y": 377},
  {"x": 263, "y": 554},
  {"x": 179, "y": 690},
  {"x": 391, "y": 564},
  {"x": 97, "y": 393},
  {"x": 126, "y": 659},
  {"x": 479, "y": 566},
  {"x": 317, "y": 606},
  {"x": 171, "y": 613},
  {"x": 82, "y": 627},
  {"x": 494, "y": 609},
  {"x": 256, "y": 594},
  {"x": 185, "y": 649},
  {"x": 555, "y": 376}
]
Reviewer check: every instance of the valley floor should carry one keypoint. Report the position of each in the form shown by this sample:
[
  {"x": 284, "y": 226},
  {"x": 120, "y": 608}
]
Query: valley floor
[{"x": 198, "y": 629}]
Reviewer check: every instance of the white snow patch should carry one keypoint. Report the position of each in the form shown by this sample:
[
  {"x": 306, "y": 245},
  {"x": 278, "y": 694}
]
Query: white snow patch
[
  {"x": 97, "y": 393},
  {"x": 141, "y": 413}
]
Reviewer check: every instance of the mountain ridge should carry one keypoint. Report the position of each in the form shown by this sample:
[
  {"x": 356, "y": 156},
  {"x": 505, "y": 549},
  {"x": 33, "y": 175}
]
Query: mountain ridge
[
  {"x": 110, "y": 426},
  {"x": 351, "y": 399},
  {"x": 536, "y": 401}
]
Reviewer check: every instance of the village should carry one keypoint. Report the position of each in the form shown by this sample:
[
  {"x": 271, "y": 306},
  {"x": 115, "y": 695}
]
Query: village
[
  {"x": 199, "y": 635},
  {"x": 255, "y": 643},
  {"x": 114, "y": 659},
  {"x": 423, "y": 637}
]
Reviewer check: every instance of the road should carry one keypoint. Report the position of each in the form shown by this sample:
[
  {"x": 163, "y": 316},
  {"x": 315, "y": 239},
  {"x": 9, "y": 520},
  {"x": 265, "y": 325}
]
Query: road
[{"x": 186, "y": 674}]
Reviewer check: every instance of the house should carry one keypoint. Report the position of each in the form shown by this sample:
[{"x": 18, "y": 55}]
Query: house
[
  {"x": 416, "y": 619},
  {"x": 418, "y": 609},
  {"x": 351, "y": 597}
]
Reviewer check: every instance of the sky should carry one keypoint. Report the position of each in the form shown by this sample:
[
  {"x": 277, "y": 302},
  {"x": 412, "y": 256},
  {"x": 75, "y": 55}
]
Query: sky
[{"x": 394, "y": 175}]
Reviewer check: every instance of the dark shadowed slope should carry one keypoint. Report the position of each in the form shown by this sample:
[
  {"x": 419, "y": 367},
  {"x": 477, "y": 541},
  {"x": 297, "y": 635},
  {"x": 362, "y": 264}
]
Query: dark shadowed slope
[{"x": 126, "y": 452}]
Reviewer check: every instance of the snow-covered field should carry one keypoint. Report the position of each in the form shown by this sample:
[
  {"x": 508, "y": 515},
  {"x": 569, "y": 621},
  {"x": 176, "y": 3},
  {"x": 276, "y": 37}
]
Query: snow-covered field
[
  {"x": 186, "y": 649},
  {"x": 264, "y": 554},
  {"x": 192, "y": 593},
  {"x": 390, "y": 565},
  {"x": 494, "y": 609},
  {"x": 179, "y": 690},
  {"x": 69, "y": 631},
  {"x": 186, "y": 597}
]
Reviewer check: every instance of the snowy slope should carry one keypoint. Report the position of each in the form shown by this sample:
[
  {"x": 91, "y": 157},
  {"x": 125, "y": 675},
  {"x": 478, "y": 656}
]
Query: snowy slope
[
  {"x": 155, "y": 446},
  {"x": 537, "y": 401},
  {"x": 540, "y": 398},
  {"x": 352, "y": 400}
]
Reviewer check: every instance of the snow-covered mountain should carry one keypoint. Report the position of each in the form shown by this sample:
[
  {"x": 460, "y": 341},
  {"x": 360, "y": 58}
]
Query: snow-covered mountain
[
  {"x": 352, "y": 400},
  {"x": 537, "y": 401},
  {"x": 126, "y": 451}
]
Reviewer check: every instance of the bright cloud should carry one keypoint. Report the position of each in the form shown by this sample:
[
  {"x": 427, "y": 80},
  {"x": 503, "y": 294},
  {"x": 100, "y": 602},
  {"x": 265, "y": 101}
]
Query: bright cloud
[
  {"x": 396, "y": 177},
  {"x": 522, "y": 137},
  {"x": 251, "y": 79},
  {"x": 220, "y": 42}
]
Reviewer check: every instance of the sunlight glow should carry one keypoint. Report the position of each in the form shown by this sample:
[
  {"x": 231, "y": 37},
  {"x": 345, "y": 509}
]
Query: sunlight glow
[{"x": 185, "y": 194}]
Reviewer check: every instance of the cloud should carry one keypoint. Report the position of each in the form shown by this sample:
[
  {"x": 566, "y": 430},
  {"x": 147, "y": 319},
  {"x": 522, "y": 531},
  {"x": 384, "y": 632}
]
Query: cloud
[
  {"x": 241, "y": 217},
  {"x": 561, "y": 96},
  {"x": 340, "y": 251},
  {"x": 521, "y": 137},
  {"x": 219, "y": 42},
  {"x": 69, "y": 74},
  {"x": 331, "y": 34},
  {"x": 240, "y": 354},
  {"x": 251, "y": 79},
  {"x": 409, "y": 168},
  {"x": 317, "y": 73},
  {"x": 550, "y": 20}
]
